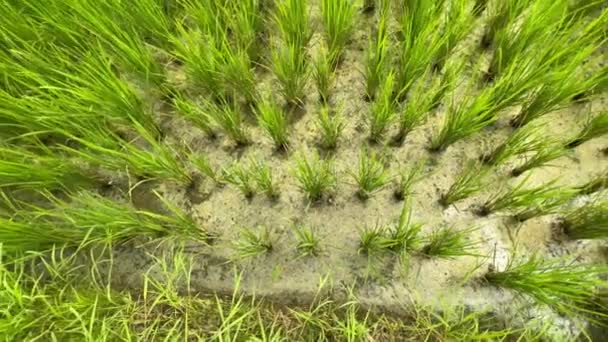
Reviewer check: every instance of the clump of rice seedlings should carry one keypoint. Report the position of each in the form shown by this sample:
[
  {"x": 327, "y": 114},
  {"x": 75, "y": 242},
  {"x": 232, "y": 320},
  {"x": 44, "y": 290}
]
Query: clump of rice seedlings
[
  {"x": 316, "y": 176},
  {"x": 246, "y": 24},
  {"x": 470, "y": 181},
  {"x": 598, "y": 183},
  {"x": 565, "y": 287},
  {"x": 323, "y": 74},
  {"x": 549, "y": 151},
  {"x": 371, "y": 175},
  {"x": 587, "y": 222},
  {"x": 228, "y": 117},
  {"x": 373, "y": 240},
  {"x": 383, "y": 110},
  {"x": 195, "y": 114},
  {"x": 290, "y": 66},
  {"x": 594, "y": 127},
  {"x": 449, "y": 242},
  {"x": 459, "y": 23},
  {"x": 524, "y": 140},
  {"x": 272, "y": 119},
  {"x": 291, "y": 18},
  {"x": 309, "y": 243},
  {"x": 500, "y": 16},
  {"x": 237, "y": 72},
  {"x": 376, "y": 56},
  {"x": 203, "y": 165},
  {"x": 542, "y": 199},
  {"x": 405, "y": 235},
  {"x": 253, "y": 244},
  {"x": 408, "y": 178},
  {"x": 338, "y": 21},
  {"x": 241, "y": 177},
  {"x": 265, "y": 180},
  {"x": 331, "y": 126}
]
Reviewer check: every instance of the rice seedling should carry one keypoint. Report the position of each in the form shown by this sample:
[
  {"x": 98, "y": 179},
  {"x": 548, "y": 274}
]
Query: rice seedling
[
  {"x": 272, "y": 119},
  {"x": 309, "y": 243},
  {"x": 449, "y": 242},
  {"x": 204, "y": 166},
  {"x": 376, "y": 55},
  {"x": 237, "y": 72},
  {"x": 373, "y": 240},
  {"x": 408, "y": 178},
  {"x": 549, "y": 151},
  {"x": 323, "y": 74},
  {"x": 195, "y": 114},
  {"x": 253, "y": 244},
  {"x": 264, "y": 179},
  {"x": 290, "y": 66},
  {"x": 470, "y": 181},
  {"x": 543, "y": 199},
  {"x": 501, "y": 15},
  {"x": 292, "y": 21},
  {"x": 241, "y": 177},
  {"x": 330, "y": 126},
  {"x": 405, "y": 235},
  {"x": 383, "y": 110},
  {"x": 316, "y": 177},
  {"x": 565, "y": 287},
  {"x": 246, "y": 24},
  {"x": 371, "y": 175},
  {"x": 593, "y": 128},
  {"x": 524, "y": 140},
  {"x": 338, "y": 20},
  {"x": 228, "y": 117},
  {"x": 587, "y": 222},
  {"x": 598, "y": 183},
  {"x": 459, "y": 22}
]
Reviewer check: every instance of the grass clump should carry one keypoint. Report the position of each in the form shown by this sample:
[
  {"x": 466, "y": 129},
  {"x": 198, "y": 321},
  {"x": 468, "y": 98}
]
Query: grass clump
[
  {"x": 565, "y": 287},
  {"x": 292, "y": 21},
  {"x": 309, "y": 244},
  {"x": 449, "y": 242},
  {"x": 241, "y": 177},
  {"x": 524, "y": 140},
  {"x": 323, "y": 74},
  {"x": 290, "y": 66},
  {"x": 470, "y": 181},
  {"x": 371, "y": 175},
  {"x": 228, "y": 117},
  {"x": 204, "y": 166},
  {"x": 195, "y": 114},
  {"x": 587, "y": 222},
  {"x": 253, "y": 244},
  {"x": 376, "y": 57},
  {"x": 373, "y": 240},
  {"x": 540, "y": 200},
  {"x": 408, "y": 178},
  {"x": 338, "y": 21},
  {"x": 331, "y": 126},
  {"x": 272, "y": 119},
  {"x": 264, "y": 179},
  {"x": 316, "y": 176},
  {"x": 594, "y": 127},
  {"x": 383, "y": 110}
]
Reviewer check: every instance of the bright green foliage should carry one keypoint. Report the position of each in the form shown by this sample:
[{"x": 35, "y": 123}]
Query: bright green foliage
[
  {"x": 564, "y": 286},
  {"x": 264, "y": 179},
  {"x": 373, "y": 240},
  {"x": 195, "y": 113},
  {"x": 470, "y": 181},
  {"x": 204, "y": 166},
  {"x": 405, "y": 234},
  {"x": 371, "y": 175},
  {"x": 383, "y": 110},
  {"x": 459, "y": 22},
  {"x": 338, "y": 20},
  {"x": 290, "y": 66},
  {"x": 449, "y": 242},
  {"x": 228, "y": 117},
  {"x": 272, "y": 119},
  {"x": 500, "y": 16},
  {"x": 524, "y": 140},
  {"x": 543, "y": 199},
  {"x": 594, "y": 127},
  {"x": 316, "y": 176},
  {"x": 587, "y": 222},
  {"x": 331, "y": 126},
  {"x": 309, "y": 243},
  {"x": 323, "y": 74},
  {"x": 548, "y": 151},
  {"x": 408, "y": 178},
  {"x": 291, "y": 18},
  {"x": 241, "y": 177},
  {"x": 246, "y": 23},
  {"x": 376, "y": 55},
  {"x": 253, "y": 244}
]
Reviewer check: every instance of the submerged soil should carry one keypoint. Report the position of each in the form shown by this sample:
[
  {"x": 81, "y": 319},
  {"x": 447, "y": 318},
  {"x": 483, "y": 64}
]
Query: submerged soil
[{"x": 386, "y": 283}]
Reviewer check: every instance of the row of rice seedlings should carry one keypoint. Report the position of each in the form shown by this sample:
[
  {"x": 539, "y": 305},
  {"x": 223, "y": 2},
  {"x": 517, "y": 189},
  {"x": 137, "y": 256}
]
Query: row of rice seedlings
[
  {"x": 86, "y": 217},
  {"x": 253, "y": 178},
  {"x": 338, "y": 20},
  {"x": 371, "y": 175},
  {"x": 376, "y": 55},
  {"x": 568, "y": 288},
  {"x": 290, "y": 65},
  {"x": 587, "y": 222},
  {"x": 593, "y": 128},
  {"x": 330, "y": 123},
  {"x": 528, "y": 202},
  {"x": 383, "y": 109}
]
